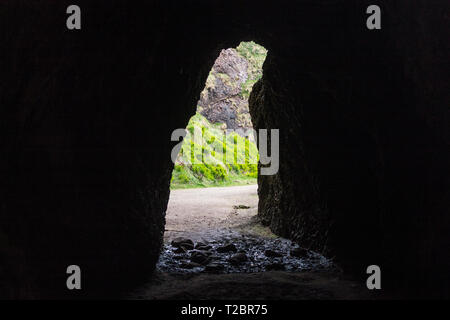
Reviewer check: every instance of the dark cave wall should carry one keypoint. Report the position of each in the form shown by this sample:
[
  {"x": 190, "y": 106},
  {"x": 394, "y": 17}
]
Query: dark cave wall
[
  {"x": 86, "y": 119},
  {"x": 364, "y": 149}
]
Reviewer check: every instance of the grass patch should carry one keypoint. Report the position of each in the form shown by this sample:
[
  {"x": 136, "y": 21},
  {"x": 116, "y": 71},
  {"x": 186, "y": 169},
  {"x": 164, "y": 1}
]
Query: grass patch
[{"x": 209, "y": 157}]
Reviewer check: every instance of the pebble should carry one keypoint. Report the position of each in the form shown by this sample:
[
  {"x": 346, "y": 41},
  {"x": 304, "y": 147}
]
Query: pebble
[{"x": 231, "y": 252}]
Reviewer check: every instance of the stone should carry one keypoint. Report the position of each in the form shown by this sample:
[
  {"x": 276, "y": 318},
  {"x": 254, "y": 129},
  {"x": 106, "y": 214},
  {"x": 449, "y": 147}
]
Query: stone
[
  {"x": 238, "y": 258},
  {"x": 227, "y": 248},
  {"x": 203, "y": 248},
  {"x": 214, "y": 267},
  {"x": 188, "y": 244},
  {"x": 179, "y": 250},
  {"x": 241, "y": 206},
  {"x": 200, "y": 257},
  {"x": 189, "y": 265},
  {"x": 199, "y": 244},
  {"x": 221, "y": 101},
  {"x": 272, "y": 254}
]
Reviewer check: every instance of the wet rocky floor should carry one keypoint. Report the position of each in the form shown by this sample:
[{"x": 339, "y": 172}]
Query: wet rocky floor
[
  {"x": 215, "y": 248},
  {"x": 238, "y": 253}
]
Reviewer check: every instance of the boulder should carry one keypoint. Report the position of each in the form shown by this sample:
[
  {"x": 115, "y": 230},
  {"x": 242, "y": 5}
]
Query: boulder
[
  {"x": 188, "y": 244},
  {"x": 180, "y": 249},
  {"x": 227, "y": 248},
  {"x": 200, "y": 257},
  {"x": 272, "y": 254},
  {"x": 238, "y": 258}
]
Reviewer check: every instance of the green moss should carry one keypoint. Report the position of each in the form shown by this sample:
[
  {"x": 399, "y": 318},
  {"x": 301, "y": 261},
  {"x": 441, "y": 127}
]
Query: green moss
[{"x": 210, "y": 151}]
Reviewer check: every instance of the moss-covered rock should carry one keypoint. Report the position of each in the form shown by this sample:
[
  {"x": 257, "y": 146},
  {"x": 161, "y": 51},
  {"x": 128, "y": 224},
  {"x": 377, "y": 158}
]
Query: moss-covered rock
[{"x": 227, "y": 89}]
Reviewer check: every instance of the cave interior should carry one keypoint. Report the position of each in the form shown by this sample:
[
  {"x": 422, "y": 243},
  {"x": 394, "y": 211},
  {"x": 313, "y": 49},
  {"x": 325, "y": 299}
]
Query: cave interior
[{"x": 86, "y": 118}]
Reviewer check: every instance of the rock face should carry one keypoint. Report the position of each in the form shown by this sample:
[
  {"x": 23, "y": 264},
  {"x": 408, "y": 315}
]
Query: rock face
[
  {"x": 223, "y": 99},
  {"x": 363, "y": 118}
]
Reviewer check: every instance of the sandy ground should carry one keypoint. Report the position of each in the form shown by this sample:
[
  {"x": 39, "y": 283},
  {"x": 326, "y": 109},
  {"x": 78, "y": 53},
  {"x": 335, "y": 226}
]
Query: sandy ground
[{"x": 205, "y": 214}]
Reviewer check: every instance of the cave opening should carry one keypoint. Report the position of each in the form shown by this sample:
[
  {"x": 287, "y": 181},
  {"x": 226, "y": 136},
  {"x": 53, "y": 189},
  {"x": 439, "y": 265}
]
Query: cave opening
[
  {"x": 213, "y": 194},
  {"x": 212, "y": 222}
]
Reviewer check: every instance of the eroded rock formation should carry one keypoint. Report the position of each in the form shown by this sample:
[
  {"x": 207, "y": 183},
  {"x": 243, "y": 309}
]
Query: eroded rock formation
[
  {"x": 363, "y": 117},
  {"x": 225, "y": 96},
  {"x": 221, "y": 99}
]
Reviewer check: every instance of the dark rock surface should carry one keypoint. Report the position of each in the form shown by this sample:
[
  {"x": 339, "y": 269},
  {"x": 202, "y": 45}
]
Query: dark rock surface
[
  {"x": 299, "y": 252},
  {"x": 179, "y": 250},
  {"x": 200, "y": 245},
  {"x": 272, "y": 254},
  {"x": 275, "y": 266},
  {"x": 249, "y": 254},
  {"x": 238, "y": 258},
  {"x": 189, "y": 265},
  {"x": 205, "y": 248},
  {"x": 227, "y": 248},
  {"x": 200, "y": 257},
  {"x": 184, "y": 243},
  {"x": 363, "y": 118}
]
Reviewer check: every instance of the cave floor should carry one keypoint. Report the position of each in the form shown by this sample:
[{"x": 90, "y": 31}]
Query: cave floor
[
  {"x": 202, "y": 214},
  {"x": 271, "y": 285},
  {"x": 218, "y": 217}
]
